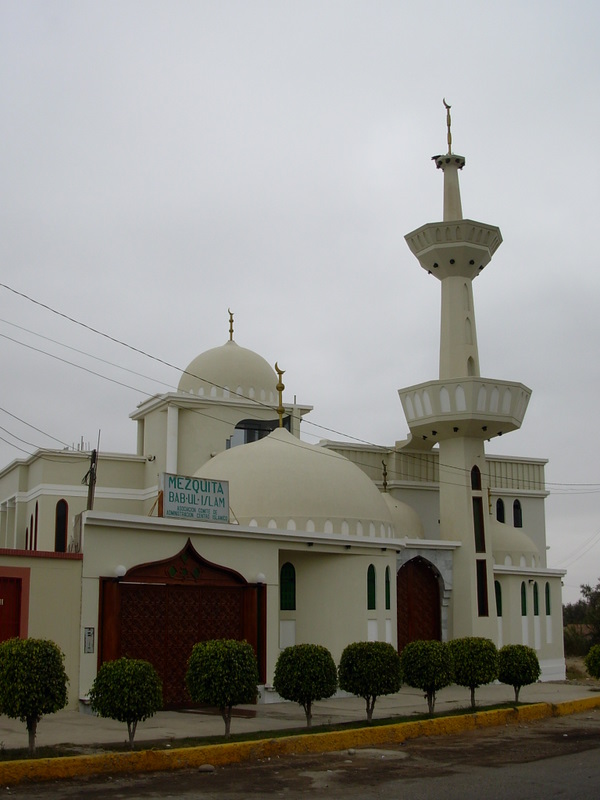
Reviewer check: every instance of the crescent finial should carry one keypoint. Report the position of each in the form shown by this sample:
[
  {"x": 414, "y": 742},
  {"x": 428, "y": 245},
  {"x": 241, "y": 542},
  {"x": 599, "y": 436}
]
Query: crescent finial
[
  {"x": 448, "y": 123},
  {"x": 280, "y": 387}
]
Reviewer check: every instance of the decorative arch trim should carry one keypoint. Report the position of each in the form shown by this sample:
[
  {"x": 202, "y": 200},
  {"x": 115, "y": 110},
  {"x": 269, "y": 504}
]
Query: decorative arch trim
[{"x": 186, "y": 567}]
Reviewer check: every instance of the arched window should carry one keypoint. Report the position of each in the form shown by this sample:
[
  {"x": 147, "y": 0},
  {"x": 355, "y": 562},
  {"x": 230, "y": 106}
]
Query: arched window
[
  {"x": 547, "y": 599},
  {"x": 498, "y": 592},
  {"x": 523, "y": 599},
  {"x": 536, "y": 600},
  {"x": 476, "y": 479},
  {"x": 287, "y": 587},
  {"x": 371, "y": 588},
  {"x": 60, "y": 526},
  {"x": 500, "y": 509},
  {"x": 388, "y": 600},
  {"x": 517, "y": 514}
]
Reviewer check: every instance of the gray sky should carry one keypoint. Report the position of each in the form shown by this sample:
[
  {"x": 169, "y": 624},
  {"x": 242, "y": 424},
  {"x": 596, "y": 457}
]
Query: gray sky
[{"x": 163, "y": 161}]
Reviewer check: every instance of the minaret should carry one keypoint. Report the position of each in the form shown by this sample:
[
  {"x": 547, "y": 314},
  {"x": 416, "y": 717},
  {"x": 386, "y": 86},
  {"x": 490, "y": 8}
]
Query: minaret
[{"x": 460, "y": 410}]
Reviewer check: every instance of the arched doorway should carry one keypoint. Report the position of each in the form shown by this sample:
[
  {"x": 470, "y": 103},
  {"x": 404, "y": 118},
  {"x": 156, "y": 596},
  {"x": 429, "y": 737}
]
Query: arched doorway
[
  {"x": 158, "y": 611},
  {"x": 418, "y": 591}
]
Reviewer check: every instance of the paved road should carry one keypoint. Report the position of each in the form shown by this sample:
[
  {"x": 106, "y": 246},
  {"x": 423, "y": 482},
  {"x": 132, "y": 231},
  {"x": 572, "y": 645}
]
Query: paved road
[{"x": 555, "y": 758}]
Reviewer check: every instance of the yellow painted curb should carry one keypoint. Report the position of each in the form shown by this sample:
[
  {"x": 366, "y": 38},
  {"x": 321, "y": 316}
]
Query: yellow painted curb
[{"x": 46, "y": 769}]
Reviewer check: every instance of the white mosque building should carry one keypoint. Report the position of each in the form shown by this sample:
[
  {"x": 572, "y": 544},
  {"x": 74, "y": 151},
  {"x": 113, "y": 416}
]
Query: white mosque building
[{"x": 225, "y": 523}]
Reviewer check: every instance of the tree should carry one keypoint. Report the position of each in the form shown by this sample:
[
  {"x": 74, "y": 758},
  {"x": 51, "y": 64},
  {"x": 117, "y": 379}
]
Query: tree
[
  {"x": 128, "y": 690},
  {"x": 370, "y": 670},
  {"x": 305, "y": 673},
  {"x": 427, "y": 665},
  {"x": 33, "y": 681},
  {"x": 222, "y": 673},
  {"x": 592, "y": 661},
  {"x": 518, "y": 666},
  {"x": 585, "y": 612},
  {"x": 474, "y": 662}
]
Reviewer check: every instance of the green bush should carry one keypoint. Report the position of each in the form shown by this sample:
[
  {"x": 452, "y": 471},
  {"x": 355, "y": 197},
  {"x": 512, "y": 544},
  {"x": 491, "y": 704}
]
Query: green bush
[
  {"x": 592, "y": 661},
  {"x": 370, "y": 670},
  {"x": 305, "y": 673},
  {"x": 128, "y": 690},
  {"x": 33, "y": 681},
  {"x": 518, "y": 666},
  {"x": 474, "y": 662},
  {"x": 427, "y": 665},
  {"x": 222, "y": 673}
]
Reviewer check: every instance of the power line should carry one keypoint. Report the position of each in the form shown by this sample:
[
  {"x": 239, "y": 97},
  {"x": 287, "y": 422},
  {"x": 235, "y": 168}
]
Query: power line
[{"x": 594, "y": 488}]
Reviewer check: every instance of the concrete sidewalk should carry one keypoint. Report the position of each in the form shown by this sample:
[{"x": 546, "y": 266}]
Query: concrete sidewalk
[{"x": 87, "y": 731}]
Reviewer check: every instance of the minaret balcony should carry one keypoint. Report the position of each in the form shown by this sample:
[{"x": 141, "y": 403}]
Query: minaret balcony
[
  {"x": 462, "y": 247},
  {"x": 471, "y": 406}
]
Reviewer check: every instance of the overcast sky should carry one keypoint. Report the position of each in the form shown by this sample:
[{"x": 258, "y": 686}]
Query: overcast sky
[{"x": 163, "y": 161}]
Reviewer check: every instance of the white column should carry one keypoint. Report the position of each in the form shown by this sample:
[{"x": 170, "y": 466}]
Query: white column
[{"x": 172, "y": 439}]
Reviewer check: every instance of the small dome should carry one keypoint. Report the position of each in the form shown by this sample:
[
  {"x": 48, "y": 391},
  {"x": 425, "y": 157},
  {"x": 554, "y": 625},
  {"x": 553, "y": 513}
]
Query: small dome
[
  {"x": 406, "y": 520},
  {"x": 228, "y": 371},
  {"x": 284, "y": 483},
  {"x": 512, "y": 547}
]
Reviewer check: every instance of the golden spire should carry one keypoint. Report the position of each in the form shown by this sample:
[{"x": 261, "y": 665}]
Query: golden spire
[
  {"x": 280, "y": 387},
  {"x": 230, "y": 324},
  {"x": 448, "y": 123}
]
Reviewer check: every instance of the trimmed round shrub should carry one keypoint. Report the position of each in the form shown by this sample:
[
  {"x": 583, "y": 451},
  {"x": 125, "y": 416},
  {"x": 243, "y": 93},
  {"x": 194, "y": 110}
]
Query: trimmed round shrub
[
  {"x": 305, "y": 673},
  {"x": 427, "y": 665},
  {"x": 518, "y": 666},
  {"x": 474, "y": 662},
  {"x": 370, "y": 670},
  {"x": 222, "y": 673},
  {"x": 33, "y": 681},
  {"x": 592, "y": 661},
  {"x": 128, "y": 690}
]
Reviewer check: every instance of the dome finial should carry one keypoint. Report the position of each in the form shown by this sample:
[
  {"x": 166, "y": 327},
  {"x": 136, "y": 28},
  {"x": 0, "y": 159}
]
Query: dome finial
[
  {"x": 448, "y": 123},
  {"x": 280, "y": 387},
  {"x": 230, "y": 324},
  {"x": 384, "y": 476}
]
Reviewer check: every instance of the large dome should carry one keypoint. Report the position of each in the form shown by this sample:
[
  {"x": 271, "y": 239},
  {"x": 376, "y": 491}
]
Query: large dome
[
  {"x": 283, "y": 483},
  {"x": 228, "y": 371}
]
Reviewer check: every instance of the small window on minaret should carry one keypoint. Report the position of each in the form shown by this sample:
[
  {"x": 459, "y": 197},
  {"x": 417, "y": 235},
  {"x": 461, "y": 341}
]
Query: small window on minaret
[
  {"x": 476, "y": 479},
  {"x": 482, "y": 593},
  {"x": 517, "y": 514},
  {"x": 500, "y": 510}
]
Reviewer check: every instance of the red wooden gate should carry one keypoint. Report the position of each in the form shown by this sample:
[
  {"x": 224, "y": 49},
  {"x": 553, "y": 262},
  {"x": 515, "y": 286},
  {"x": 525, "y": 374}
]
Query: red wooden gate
[
  {"x": 418, "y": 591},
  {"x": 158, "y": 611}
]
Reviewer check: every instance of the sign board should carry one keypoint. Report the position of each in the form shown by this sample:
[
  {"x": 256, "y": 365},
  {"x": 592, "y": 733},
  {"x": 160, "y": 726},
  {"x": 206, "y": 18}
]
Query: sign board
[{"x": 194, "y": 498}]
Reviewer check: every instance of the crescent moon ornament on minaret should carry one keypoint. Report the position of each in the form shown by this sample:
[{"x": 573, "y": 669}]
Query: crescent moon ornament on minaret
[
  {"x": 230, "y": 324},
  {"x": 448, "y": 123},
  {"x": 280, "y": 387}
]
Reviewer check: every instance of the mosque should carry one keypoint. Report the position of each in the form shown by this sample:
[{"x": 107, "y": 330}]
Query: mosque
[{"x": 225, "y": 523}]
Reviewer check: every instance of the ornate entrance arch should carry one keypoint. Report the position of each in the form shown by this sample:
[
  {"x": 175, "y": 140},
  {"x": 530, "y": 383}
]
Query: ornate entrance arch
[{"x": 418, "y": 592}]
